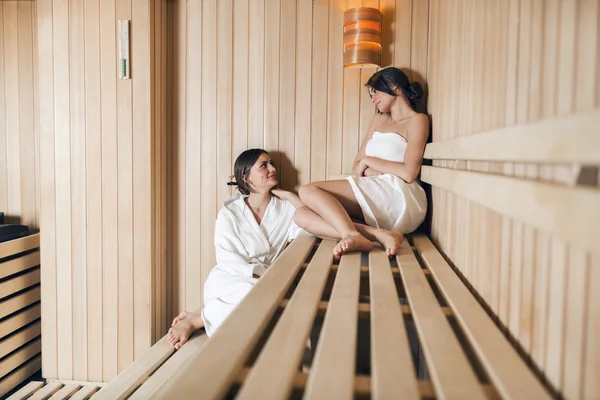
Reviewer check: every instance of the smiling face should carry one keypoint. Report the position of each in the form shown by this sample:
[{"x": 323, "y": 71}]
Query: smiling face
[
  {"x": 382, "y": 100},
  {"x": 263, "y": 175}
]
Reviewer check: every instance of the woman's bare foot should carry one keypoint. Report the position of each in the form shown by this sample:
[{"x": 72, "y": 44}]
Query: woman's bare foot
[
  {"x": 391, "y": 241},
  {"x": 182, "y": 327},
  {"x": 353, "y": 242}
]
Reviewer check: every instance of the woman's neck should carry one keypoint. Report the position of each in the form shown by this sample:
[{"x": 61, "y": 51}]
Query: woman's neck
[
  {"x": 258, "y": 201},
  {"x": 401, "y": 110}
]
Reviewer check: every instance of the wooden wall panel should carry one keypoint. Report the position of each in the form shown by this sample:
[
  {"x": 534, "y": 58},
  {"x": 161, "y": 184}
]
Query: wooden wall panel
[
  {"x": 19, "y": 150},
  {"x": 266, "y": 73},
  {"x": 103, "y": 196},
  {"x": 530, "y": 60}
]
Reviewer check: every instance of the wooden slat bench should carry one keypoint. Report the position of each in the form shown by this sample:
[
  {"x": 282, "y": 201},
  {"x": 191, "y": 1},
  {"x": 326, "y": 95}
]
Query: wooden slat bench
[
  {"x": 20, "y": 326},
  {"x": 55, "y": 391},
  {"x": 258, "y": 351}
]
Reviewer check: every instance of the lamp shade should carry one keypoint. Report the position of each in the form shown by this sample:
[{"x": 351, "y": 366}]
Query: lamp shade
[{"x": 362, "y": 37}]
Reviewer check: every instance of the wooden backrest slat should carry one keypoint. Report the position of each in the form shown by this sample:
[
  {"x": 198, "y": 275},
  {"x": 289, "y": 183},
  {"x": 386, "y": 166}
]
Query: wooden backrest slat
[
  {"x": 506, "y": 369},
  {"x": 18, "y": 339},
  {"x": 20, "y": 245},
  {"x": 391, "y": 368},
  {"x": 272, "y": 375},
  {"x": 19, "y": 320},
  {"x": 568, "y": 212},
  {"x": 19, "y": 264},
  {"x": 18, "y": 302},
  {"x": 332, "y": 373},
  {"x": 566, "y": 139},
  {"x": 452, "y": 375},
  {"x": 18, "y": 283},
  {"x": 166, "y": 371},
  {"x": 20, "y": 374},
  {"x": 212, "y": 368}
]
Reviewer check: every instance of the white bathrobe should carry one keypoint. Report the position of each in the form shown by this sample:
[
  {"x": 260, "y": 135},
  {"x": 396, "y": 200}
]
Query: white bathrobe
[{"x": 243, "y": 249}]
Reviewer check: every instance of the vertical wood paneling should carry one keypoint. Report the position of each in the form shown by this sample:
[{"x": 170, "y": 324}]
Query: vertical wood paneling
[
  {"x": 403, "y": 34},
  {"x": 3, "y": 154},
  {"x": 63, "y": 188},
  {"x": 208, "y": 184},
  {"x": 94, "y": 193},
  {"x": 193, "y": 147},
  {"x": 272, "y": 87},
  {"x": 256, "y": 73},
  {"x": 180, "y": 159},
  {"x": 319, "y": 92},
  {"x": 78, "y": 197},
  {"x": 303, "y": 84},
  {"x": 240, "y": 70},
  {"x": 591, "y": 387},
  {"x": 124, "y": 283},
  {"x": 335, "y": 98},
  {"x": 26, "y": 114},
  {"x": 225, "y": 93},
  {"x": 102, "y": 174},
  {"x": 142, "y": 191},
  {"x": 12, "y": 120},
  {"x": 49, "y": 273},
  {"x": 287, "y": 93},
  {"x": 541, "y": 55}
]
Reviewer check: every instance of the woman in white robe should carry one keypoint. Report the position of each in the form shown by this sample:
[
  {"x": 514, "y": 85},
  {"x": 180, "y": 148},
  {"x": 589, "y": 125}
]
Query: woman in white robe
[
  {"x": 251, "y": 231},
  {"x": 384, "y": 190}
]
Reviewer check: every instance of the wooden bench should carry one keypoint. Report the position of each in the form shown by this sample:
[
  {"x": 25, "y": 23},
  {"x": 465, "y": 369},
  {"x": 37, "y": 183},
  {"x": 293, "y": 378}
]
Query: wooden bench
[
  {"x": 148, "y": 373},
  {"x": 258, "y": 351},
  {"x": 55, "y": 391},
  {"x": 20, "y": 325}
]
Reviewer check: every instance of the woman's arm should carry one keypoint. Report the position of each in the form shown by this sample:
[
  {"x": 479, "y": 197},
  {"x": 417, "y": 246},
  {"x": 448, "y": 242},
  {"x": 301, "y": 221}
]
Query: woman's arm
[
  {"x": 357, "y": 168},
  {"x": 289, "y": 196},
  {"x": 409, "y": 169},
  {"x": 230, "y": 252}
]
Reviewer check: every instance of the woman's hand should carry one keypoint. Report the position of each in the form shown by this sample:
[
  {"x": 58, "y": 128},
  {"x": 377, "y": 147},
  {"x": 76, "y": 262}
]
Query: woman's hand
[
  {"x": 372, "y": 172},
  {"x": 288, "y": 196},
  {"x": 361, "y": 166},
  {"x": 281, "y": 194}
]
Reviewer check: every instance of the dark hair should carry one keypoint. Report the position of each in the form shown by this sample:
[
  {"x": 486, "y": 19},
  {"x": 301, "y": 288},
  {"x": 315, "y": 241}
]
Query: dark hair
[
  {"x": 387, "y": 79},
  {"x": 242, "y": 167}
]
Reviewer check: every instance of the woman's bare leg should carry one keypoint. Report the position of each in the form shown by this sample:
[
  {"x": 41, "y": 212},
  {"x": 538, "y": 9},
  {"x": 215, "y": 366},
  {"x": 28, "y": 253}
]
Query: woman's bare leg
[
  {"x": 310, "y": 221},
  {"x": 334, "y": 201},
  {"x": 182, "y": 328}
]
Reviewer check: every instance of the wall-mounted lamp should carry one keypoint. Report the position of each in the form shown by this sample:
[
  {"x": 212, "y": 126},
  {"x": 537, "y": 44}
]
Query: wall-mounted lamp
[{"x": 362, "y": 38}]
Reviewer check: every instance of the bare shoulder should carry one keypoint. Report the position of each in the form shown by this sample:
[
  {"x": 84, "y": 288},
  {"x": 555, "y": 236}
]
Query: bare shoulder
[{"x": 419, "y": 125}]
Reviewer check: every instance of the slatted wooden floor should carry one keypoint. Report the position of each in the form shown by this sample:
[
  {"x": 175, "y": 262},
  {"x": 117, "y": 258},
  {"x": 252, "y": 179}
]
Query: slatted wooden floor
[
  {"x": 306, "y": 298},
  {"x": 55, "y": 391}
]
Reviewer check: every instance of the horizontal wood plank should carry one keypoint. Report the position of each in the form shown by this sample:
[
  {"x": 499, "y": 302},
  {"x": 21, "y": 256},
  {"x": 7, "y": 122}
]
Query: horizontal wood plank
[
  {"x": 568, "y": 212},
  {"x": 212, "y": 368},
  {"x": 506, "y": 369},
  {"x": 566, "y": 139}
]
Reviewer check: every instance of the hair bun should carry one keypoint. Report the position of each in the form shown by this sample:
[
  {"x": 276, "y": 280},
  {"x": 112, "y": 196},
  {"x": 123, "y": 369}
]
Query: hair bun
[{"x": 415, "y": 93}]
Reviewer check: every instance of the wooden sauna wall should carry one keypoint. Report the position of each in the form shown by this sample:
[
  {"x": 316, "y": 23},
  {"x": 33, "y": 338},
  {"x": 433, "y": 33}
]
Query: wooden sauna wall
[
  {"x": 499, "y": 64},
  {"x": 19, "y": 142},
  {"x": 102, "y": 182},
  {"x": 265, "y": 73}
]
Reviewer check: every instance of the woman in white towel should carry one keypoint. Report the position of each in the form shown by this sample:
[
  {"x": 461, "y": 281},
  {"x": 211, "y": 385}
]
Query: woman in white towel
[
  {"x": 384, "y": 190},
  {"x": 251, "y": 231}
]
